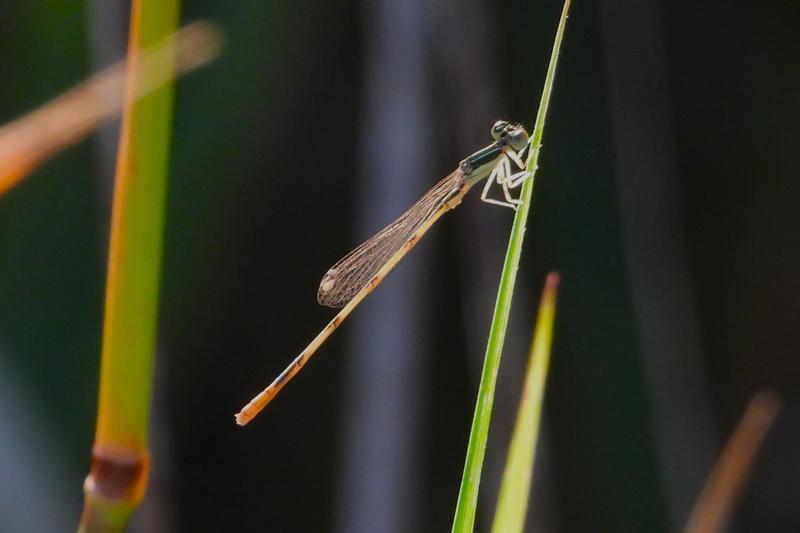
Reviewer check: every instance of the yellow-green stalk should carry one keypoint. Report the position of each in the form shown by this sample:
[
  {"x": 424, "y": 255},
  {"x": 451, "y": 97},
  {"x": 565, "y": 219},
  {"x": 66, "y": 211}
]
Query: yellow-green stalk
[
  {"x": 118, "y": 476},
  {"x": 512, "y": 503}
]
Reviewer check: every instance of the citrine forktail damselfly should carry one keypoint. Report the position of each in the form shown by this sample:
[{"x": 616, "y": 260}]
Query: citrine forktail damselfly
[{"x": 353, "y": 277}]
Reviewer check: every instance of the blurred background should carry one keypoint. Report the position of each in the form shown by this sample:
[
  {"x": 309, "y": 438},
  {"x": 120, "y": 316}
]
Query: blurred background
[{"x": 667, "y": 199}]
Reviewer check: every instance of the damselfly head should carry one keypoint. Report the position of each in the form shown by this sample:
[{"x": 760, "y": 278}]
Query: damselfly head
[
  {"x": 514, "y": 135},
  {"x": 517, "y": 138},
  {"x": 500, "y": 129}
]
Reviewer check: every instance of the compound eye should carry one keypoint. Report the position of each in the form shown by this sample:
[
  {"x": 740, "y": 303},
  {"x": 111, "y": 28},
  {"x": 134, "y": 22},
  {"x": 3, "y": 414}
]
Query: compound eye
[
  {"x": 499, "y": 129},
  {"x": 517, "y": 139}
]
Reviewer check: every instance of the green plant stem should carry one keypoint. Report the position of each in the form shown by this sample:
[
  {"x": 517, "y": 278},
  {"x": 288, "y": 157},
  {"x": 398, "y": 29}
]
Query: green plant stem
[
  {"x": 118, "y": 475},
  {"x": 476, "y": 449},
  {"x": 512, "y": 503}
]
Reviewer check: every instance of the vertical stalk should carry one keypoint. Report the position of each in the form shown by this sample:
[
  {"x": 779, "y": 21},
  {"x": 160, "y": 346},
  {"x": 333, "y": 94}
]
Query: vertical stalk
[
  {"x": 464, "y": 520},
  {"x": 118, "y": 476}
]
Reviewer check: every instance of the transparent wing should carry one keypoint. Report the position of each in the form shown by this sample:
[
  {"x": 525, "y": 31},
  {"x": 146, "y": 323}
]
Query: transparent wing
[{"x": 351, "y": 273}]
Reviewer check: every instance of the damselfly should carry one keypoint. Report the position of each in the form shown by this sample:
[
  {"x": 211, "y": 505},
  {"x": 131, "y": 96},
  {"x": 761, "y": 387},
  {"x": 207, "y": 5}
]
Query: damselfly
[{"x": 351, "y": 279}]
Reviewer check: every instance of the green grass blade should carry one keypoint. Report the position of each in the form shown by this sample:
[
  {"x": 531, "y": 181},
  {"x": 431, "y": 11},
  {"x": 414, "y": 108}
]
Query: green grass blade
[
  {"x": 512, "y": 503},
  {"x": 476, "y": 449},
  {"x": 120, "y": 458}
]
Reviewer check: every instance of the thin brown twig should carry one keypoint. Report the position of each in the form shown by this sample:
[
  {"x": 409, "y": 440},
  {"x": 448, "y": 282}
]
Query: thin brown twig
[
  {"x": 30, "y": 140},
  {"x": 724, "y": 486}
]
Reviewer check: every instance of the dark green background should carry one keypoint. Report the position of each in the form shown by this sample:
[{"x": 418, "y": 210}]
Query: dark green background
[{"x": 265, "y": 176}]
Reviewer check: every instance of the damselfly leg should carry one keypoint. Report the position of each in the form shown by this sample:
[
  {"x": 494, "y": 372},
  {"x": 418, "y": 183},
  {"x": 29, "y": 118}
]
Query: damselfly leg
[{"x": 502, "y": 176}]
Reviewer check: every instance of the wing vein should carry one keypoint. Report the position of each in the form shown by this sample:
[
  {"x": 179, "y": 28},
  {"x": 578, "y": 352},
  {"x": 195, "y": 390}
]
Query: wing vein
[{"x": 351, "y": 273}]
